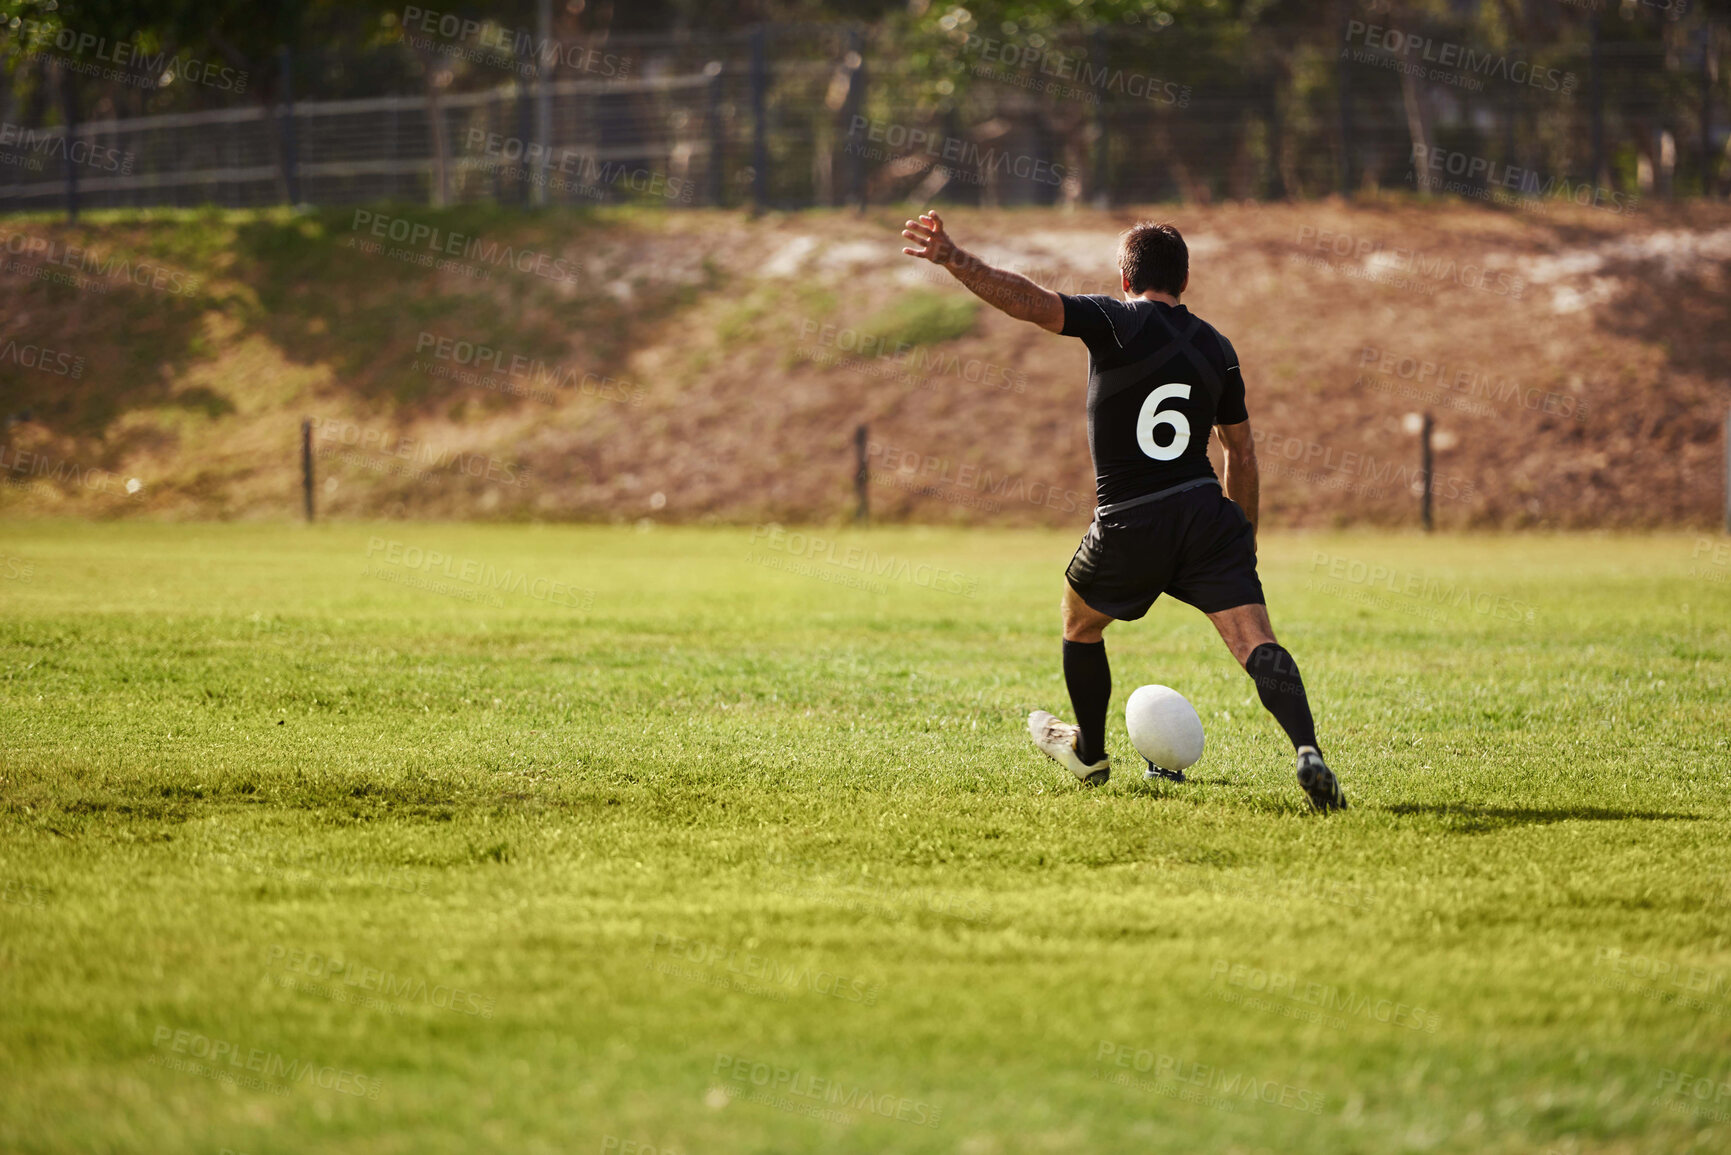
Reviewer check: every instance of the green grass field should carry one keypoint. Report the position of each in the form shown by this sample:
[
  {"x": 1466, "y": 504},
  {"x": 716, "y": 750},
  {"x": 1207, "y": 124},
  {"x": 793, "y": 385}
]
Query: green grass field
[{"x": 707, "y": 841}]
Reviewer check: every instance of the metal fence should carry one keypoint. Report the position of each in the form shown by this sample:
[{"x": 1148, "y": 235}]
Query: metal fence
[{"x": 829, "y": 115}]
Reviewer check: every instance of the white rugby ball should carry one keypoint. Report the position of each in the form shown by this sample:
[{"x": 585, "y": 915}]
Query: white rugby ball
[{"x": 1164, "y": 727}]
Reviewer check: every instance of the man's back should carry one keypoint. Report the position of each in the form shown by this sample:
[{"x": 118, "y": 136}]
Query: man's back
[{"x": 1159, "y": 380}]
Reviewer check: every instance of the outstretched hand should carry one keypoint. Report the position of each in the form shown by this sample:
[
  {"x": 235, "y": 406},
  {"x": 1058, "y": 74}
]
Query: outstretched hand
[
  {"x": 933, "y": 242},
  {"x": 1009, "y": 292}
]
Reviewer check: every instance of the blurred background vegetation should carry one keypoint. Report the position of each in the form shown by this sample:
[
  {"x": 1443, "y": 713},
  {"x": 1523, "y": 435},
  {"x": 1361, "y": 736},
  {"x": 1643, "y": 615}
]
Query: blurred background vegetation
[{"x": 790, "y": 103}]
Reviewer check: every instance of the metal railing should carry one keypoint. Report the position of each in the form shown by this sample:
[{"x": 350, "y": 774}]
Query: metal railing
[{"x": 830, "y": 115}]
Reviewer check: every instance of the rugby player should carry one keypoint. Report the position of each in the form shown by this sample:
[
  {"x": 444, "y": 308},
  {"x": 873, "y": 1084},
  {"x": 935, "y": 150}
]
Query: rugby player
[{"x": 1160, "y": 380}]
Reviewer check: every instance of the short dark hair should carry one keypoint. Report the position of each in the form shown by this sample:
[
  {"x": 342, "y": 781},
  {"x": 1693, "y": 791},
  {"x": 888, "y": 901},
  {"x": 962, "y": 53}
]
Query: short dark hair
[{"x": 1154, "y": 256}]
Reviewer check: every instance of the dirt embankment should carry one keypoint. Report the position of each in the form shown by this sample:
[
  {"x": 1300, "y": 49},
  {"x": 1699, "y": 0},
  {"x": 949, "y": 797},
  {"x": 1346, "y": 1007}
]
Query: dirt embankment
[{"x": 698, "y": 366}]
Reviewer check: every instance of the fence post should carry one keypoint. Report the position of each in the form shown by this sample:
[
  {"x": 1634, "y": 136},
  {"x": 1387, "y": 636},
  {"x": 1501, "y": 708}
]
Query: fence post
[
  {"x": 1709, "y": 77},
  {"x": 717, "y": 134},
  {"x": 1276, "y": 184},
  {"x": 1425, "y": 463},
  {"x": 439, "y": 186},
  {"x": 307, "y": 464},
  {"x": 1596, "y": 96},
  {"x": 290, "y": 157},
  {"x": 69, "y": 102},
  {"x": 1344, "y": 80},
  {"x": 850, "y": 110},
  {"x": 759, "y": 125},
  {"x": 526, "y": 95},
  {"x": 543, "y": 100},
  {"x": 862, "y": 475},
  {"x": 1097, "y": 61},
  {"x": 525, "y": 131},
  {"x": 495, "y": 110}
]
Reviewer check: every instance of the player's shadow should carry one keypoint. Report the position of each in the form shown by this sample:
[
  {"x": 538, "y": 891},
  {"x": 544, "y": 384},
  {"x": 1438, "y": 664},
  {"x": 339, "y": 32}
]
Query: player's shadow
[
  {"x": 1158, "y": 788},
  {"x": 1463, "y": 819}
]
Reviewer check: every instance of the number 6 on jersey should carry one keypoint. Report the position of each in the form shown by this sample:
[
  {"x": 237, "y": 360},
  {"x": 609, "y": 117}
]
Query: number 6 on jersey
[{"x": 1150, "y": 419}]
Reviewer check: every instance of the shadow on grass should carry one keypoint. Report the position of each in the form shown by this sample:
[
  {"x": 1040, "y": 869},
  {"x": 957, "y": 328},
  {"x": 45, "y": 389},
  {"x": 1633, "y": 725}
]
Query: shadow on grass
[
  {"x": 1482, "y": 819},
  {"x": 1241, "y": 796}
]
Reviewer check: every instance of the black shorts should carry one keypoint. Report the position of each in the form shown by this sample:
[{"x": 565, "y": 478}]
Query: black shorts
[{"x": 1196, "y": 545}]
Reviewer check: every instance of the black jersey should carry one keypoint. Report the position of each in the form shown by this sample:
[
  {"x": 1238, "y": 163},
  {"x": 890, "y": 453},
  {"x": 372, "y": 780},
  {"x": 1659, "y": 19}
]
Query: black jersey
[{"x": 1159, "y": 380}]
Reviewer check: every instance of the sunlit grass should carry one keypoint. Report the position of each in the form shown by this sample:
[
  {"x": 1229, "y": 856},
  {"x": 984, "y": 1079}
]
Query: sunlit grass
[{"x": 565, "y": 838}]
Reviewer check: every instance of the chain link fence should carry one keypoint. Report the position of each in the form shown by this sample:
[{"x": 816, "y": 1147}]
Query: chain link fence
[{"x": 799, "y": 116}]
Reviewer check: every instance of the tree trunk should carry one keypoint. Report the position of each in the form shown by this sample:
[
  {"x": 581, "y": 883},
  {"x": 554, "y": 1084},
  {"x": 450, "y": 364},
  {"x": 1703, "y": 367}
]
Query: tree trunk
[{"x": 1418, "y": 125}]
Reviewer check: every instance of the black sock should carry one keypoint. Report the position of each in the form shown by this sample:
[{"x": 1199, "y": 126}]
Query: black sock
[
  {"x": 1089, "y": 677},
  {"x": 1282, "y": 691}
]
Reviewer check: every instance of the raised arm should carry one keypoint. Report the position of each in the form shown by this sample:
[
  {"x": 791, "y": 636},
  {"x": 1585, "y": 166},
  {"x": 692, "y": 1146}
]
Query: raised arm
[
  {"x": 1242, "y": 482},
  {"x": 1008, "y": 292}
]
